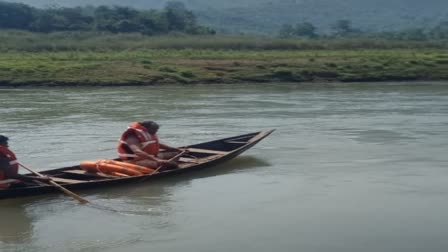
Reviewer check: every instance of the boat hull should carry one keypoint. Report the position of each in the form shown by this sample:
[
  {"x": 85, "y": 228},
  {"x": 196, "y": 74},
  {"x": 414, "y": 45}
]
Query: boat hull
[{"x": 208, "y": 155}]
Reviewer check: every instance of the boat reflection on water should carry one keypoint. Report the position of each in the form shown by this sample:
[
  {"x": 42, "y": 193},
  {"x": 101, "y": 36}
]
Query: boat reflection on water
[{"x": 153, "y": 198}]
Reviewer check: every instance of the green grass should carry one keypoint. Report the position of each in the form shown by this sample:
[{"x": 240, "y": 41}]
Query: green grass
[
  {"x": 131, "y": 59},
  {"x": 13, "y": 40},
  {"x": 205, "y": 65}
]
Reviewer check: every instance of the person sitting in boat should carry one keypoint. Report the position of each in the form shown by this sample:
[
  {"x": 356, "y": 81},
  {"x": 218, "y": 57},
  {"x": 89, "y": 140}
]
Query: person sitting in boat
[
  {"x": 140, "y": 145},
  {"x": 9, "y": 168}
]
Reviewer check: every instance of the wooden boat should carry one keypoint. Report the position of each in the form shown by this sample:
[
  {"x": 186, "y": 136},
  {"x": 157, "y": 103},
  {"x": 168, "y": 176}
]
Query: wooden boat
[{"x": 199, "y": 156}]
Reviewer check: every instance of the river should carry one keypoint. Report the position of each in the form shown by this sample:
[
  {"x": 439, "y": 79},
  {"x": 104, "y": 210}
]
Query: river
[{"x": 350, "y": 167}]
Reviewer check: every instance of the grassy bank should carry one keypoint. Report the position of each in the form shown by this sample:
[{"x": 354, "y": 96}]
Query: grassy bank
[
  {"x": 220, "y": 66},
  {"x": 131, "y": 59},
  {"x": 13, "y": 40}
]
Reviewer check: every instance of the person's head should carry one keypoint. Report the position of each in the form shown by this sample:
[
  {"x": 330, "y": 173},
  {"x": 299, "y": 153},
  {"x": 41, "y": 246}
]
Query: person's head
[
  {"x": 3, "y": 140},
  {"x": 151, "y": 126}
]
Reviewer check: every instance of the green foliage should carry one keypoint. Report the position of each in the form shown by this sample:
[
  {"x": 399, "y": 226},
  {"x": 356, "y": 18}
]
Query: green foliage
[
  {"x": 63, "y": 19},
  {"x": 262, "y": 16},
  {"x": 304, "y": 29},
  {"x": 284, "y": 75},
  {"x": 15, "y": 16},
  {"x": 344, "y": 28},
  {"x": 178, "y": 17},
  {"x": 16, "y": 40},
  {"x": 167, "y": 69},
  {"x": 440, "y": 31},
  {"x": 286, "y": 31},
  {"x": 174, "y": 17},
  {"x": 187, "y": 74},
  {"x": 267, "y": 16}
]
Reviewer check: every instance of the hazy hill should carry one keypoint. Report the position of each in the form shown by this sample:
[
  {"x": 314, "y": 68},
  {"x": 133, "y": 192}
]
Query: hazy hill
[
  {"x": 266, "y": 16},
  {"x": 192, "y": 4}
]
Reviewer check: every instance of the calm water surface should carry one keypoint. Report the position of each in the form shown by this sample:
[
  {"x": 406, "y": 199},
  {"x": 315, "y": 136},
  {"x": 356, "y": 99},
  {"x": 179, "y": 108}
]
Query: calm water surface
[{"x": 351, "y": 167}]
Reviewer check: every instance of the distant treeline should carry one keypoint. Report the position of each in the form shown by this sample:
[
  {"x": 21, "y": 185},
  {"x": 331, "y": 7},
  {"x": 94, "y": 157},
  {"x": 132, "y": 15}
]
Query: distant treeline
[
  {"x": 344, "y": 28},
  {"x": 173, "y": 18},
  {"x": 176, "y": 18}
]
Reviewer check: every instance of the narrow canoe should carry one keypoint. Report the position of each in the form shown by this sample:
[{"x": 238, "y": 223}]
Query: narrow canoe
[{"x": 199, "y": 156}]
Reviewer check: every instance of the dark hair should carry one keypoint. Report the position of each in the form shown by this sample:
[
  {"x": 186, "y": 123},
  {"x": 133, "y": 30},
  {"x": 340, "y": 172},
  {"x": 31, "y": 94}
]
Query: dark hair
[
  {"x": 3, "y": 139},
  {"x": 150, "y": 125}
]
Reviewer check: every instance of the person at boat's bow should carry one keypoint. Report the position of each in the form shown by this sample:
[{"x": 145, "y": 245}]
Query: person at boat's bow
[
  {"x": 140, "y": 145},
  {"x": 9, "y": 168}
]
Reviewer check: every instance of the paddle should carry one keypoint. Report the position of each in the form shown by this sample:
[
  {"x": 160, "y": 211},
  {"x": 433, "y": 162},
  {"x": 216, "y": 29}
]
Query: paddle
[
  {"x": 171, "y": 159},
  {"x": 74, "y": 195}
]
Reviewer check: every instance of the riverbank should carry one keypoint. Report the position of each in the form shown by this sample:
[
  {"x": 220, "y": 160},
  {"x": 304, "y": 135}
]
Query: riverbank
[{"x": 190, "y": 66}]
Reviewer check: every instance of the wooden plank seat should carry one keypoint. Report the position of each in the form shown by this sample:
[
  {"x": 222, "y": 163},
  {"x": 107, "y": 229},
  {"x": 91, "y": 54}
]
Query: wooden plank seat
[
  {"x": 207, "y": 151},
  {"x": 9, "y": 181},
  {"x": 91, "y": 174},
  {"x": 188, "y": 160},
  {"x": 235, "y": 142},
  {"x": 66, "y": 181},
  {"x": 197, "y": 161}
]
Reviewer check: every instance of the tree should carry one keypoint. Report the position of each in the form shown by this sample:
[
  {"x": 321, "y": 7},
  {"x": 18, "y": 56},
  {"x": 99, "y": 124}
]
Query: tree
[
  {"x": 286, "y": 31},
  {"x": 175, "y": 17},
  {"x": 344, "y": 27},
  {"x": 48, "y": 21},
  {"x": 305, "y": 29},
  {"x": 440, "y": 31},
  {"x": 125, "y": 20},
  {"x": 103, "y": 17},
  {"x": 61, "y": 19},
  {"x": 413, "y": 34},
  {"x": 151, "y": 23},
  {"x": 75, "y": 19},
  {"x": 15, "y": 15},
  {"x": 179, "y": 18}
]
